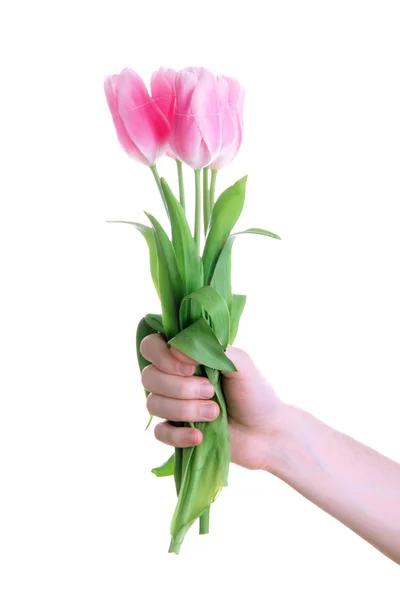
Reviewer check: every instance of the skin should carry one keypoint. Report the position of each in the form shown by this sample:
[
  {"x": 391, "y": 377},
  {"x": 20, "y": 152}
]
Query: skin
[{"x": 353, "y": 483}]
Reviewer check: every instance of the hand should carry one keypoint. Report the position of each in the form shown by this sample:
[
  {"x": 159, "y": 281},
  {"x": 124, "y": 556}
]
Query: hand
[{"x": 254, "y": 410}]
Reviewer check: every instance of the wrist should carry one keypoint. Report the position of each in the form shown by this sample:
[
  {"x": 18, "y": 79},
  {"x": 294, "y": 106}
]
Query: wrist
[{"x": 286, "y": 443}]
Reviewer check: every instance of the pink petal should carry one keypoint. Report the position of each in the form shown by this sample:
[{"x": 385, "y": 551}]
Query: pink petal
[
  {"x": 122, "y": 134},
  {"x": 232, "y": 124},
  {"x": 144, "y": 122},
  {"x": 185, "y": 83},
  {"x": 206, "y": 110},
  {"x": 163, "y": 91}
]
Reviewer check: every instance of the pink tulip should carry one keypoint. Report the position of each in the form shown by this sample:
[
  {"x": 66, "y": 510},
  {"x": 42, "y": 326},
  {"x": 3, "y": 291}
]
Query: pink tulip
[
  {"x": 141, "y": 126},
  {"x": 231, "y": 96},
  {"x": 196, "y": 123},
  {"x": 163, "y": 94}
]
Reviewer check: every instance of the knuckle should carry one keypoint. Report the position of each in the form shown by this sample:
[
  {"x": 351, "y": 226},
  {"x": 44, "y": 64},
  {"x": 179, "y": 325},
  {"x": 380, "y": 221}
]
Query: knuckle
[
  {"x": 183, "y": 389},
  {"x": 147, "y": 344},
  {"x": 187, "y": 412},
  {"x": 242, "y": 357},
  {"x": 193, "y": 437},
  {"x": 147, "y": 375},
  {"x": 150, "y": 405},
  {"x": 158, "y": 432},
  {"x": 242, "y": 353}
]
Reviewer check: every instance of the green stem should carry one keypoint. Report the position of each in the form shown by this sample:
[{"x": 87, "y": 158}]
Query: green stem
[
  {"x": 212, "y": 189},
  {"x": 205, "y": 522},
  {"x": 158, "y": 182},
  {"x": 178, "y": 470},
  {"x": 197, "y": 220},
  {"x": 181, "y": 184},
  {"x": 206, "y": 200}
]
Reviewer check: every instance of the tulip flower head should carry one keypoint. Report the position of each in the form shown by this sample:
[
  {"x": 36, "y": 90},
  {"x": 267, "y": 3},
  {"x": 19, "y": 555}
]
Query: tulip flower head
[
  {"x": 142, "y": 128},
  {"x": 196, "y": 123},
  {"x": 231, "y": 96}
]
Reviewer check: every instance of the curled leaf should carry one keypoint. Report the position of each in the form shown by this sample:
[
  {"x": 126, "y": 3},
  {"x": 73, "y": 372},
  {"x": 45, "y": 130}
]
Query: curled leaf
[
  {"x": 215, "y": 306},
  {"x": 148, "y": 235},
  {"x": 199, "y": 342},
  {"x": 166, "y": 469}
]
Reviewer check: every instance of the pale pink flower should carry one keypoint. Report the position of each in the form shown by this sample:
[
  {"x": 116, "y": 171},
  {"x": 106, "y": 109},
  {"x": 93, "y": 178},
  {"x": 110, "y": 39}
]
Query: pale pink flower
[
  {"x": 141, "y": 126},
  {"x": 231, "y": 98},
  {"x": 196, "y": 123}
]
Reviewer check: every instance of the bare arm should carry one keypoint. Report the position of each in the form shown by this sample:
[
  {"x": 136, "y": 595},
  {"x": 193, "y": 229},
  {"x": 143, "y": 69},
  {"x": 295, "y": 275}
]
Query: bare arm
[{"x": 353, "y": 483}]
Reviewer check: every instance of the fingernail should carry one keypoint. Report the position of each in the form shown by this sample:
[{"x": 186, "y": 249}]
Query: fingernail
[
  {"x": 208, "y": 410},
  {"x": 185, "y": 369},
  {"x": 206, "y": 390}
]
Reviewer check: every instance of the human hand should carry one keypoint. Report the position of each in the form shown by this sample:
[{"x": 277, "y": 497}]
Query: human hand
[{"x": 255, "y": 412}]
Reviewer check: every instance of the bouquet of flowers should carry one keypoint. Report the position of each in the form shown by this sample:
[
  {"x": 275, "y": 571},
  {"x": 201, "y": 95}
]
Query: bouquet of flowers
[{"x": 195, "y": 118}]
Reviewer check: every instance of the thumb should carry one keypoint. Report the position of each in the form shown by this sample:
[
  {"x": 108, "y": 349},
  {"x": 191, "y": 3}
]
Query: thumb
[
  {"x": 245, "y": 366},
  {"x": 242, "y": 361}
]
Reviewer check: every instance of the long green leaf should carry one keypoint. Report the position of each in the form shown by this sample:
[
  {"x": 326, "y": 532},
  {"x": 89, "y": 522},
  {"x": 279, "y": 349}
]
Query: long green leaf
[
  {"x": 148, "y": 235},
  {"x": 213, "y": 303},
  {"x": 199, "y": 342},
  {"x": 142, "y": 331},
  {"x": 238, "y": 304},
  {"x": 170, "y": 281},
  {"x": 188, "y": 259},
  {"x": 166, "y": 469},
  {"x": 183, "y": 242},
  {"x": 206, "y": 472},
  {"x": 225, "y": 213},
  {"x": 222, "y": 275}
]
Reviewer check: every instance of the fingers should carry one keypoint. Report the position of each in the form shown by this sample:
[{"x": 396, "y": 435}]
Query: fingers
[
  {"x": 182, "y": 357},
  {"x": 187, "y": 411},
  {"x": 155, "y": 349},
  {"x": 174, "y": 386},
  {"x": 179, "y": 437}
]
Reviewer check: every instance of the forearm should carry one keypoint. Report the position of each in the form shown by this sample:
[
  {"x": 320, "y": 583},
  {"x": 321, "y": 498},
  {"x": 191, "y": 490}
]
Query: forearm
[{"x": 351, "y": 482}]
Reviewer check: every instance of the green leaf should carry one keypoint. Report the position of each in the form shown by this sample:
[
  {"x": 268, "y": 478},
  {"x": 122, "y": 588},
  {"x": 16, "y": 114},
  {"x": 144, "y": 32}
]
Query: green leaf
[
  {"x": 148, "y": 235},
  {"x": 155, "y": 321},
  {"x": 259, "y": 231},
  {"x": 206, "y": 473},
  {"x": 166, "y": 469},
  {"x": 183, "y": 242},
  {"x": 225, "y": 214},
  {"x": 199, "y": 342},
  {"x": 238, "y": 304},
  {"x": 170, "y": 281},
  {"x": 188, "y": 259},
  {"x": 213, "y": 303},
  {"x": 222, "y": 275},
  {"x": 143, "y": 330},
  {"x": 149, "y": 421}
]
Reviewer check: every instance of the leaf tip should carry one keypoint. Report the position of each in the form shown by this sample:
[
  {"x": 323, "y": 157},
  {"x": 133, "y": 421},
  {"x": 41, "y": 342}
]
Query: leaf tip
[{"x": 149, "y": 423}]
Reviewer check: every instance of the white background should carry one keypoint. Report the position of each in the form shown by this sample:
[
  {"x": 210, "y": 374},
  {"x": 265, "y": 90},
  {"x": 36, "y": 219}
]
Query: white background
[{"x": 81, "y": 515}]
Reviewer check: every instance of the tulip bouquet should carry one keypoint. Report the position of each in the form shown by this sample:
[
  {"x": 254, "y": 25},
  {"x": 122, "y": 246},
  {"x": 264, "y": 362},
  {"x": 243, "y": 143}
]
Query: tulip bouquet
[{"x": 195, "y": 118}]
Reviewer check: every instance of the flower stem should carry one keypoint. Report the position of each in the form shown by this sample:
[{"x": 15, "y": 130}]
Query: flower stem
[
  {"x": 205, "y": 522},
  {"x": 197, "y": 220},
  {"x": 178, "y": 470},
  {"x": 158, "y": 182},
  {"x": 212, "y": 189},
  {"x": 206, "y": 200},
  {"x": 181, "y": 184}
]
